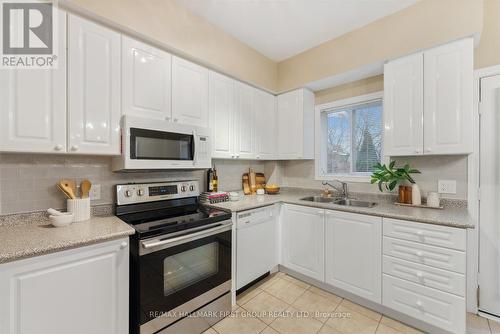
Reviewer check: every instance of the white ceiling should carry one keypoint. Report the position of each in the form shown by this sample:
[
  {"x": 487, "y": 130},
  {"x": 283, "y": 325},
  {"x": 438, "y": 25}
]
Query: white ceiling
[{"x": 280, "y": 29}]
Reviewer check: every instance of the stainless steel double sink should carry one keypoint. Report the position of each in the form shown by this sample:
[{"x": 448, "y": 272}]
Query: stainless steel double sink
[{"x": 340, "y": 201}]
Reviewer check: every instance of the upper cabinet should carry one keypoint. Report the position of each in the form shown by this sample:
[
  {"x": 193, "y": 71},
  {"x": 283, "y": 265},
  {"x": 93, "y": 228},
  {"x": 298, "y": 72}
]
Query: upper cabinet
[
  {"x": 221, "y": 114},
  {"x": 189, "y": 93},
  {"x": 266, "y": 121},
  {"x": 94, "y": 73},
  {"x": 33, "y": 106},
  {"x": 428, "y": 101},
  {"x": 146, "y": 80},
  {"x": 296, "y": 125},
  {"x": 244, "y": 121}
]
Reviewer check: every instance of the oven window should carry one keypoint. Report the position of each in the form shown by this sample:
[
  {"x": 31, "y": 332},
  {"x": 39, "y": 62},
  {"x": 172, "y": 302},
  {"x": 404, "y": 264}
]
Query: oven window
[
  {"x": 184, "y": 269},
  {"x": 158, "y": 145}
]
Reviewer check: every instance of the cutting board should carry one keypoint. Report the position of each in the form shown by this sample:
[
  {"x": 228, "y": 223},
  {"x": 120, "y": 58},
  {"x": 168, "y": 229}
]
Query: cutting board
[{"x": 260, "y": 181}]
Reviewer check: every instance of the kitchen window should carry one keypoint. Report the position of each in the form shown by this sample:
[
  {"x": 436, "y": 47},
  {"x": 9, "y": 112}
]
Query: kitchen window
[{"x": 349, "y": 138}]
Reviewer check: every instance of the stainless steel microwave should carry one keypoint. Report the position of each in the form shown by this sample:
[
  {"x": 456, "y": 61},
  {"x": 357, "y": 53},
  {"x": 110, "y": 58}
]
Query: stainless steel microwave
[{"x": 148, "y": 144}]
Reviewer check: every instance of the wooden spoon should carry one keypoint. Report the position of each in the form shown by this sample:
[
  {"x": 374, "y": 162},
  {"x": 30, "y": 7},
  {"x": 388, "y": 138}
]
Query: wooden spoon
[
  {"x": 85, "y": 186},
  {"x": 68, "y": 187}
]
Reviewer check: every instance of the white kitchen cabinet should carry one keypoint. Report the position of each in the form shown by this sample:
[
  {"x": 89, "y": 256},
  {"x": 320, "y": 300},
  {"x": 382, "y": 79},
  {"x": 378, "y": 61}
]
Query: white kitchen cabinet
[
  {"x": 354, "y": 253},
  {"x": 303, "y": 240},
  {"x": 404, "y": 106},
  {"x": 448, "y": 98},
  {"x": 266, "y": 122},
  {"x": 78, "y": 291},
  {"x": 189, "y": 93},
  {"x": 94, "y": 74},
  {"x": 221, "y": 115},
  {"x": 146, "y": 80},
  {"x": 296, "y": 125},
  {"x": 244, "y": 121},
  {"x": 428, "y": 101},
  {"x": 33, "y": 105},
  {"x": 255, "y": 244}
]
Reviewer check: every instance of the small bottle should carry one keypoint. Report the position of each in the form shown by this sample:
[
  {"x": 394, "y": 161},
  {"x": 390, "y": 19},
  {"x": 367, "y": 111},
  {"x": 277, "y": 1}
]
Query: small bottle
[
  {"x": 215, "y": 181},
  {"x": 210, "y": 178}
]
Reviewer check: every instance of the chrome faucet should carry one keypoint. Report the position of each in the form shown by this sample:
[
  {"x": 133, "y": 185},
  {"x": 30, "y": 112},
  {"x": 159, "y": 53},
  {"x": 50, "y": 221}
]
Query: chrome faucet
[{"x": 343, "y": 190}]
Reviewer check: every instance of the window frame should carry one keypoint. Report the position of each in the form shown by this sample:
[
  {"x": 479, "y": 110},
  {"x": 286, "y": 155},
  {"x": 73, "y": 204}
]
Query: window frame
[{"x": 320, "y": 137}]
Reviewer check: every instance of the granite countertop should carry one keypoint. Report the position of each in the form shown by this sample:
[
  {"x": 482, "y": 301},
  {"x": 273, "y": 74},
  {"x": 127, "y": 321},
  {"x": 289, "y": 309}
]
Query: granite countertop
[
  {"x": 454, "y": 216},
  {"x": 28, "y": 235}
]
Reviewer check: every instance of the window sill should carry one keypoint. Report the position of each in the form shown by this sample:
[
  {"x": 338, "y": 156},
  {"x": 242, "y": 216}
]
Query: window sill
[{"x": 344, "y": 178}]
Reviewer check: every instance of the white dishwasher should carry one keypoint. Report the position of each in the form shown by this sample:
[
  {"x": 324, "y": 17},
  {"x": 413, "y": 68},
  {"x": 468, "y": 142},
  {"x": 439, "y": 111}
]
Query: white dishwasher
[{"x": 255, "y": 244}]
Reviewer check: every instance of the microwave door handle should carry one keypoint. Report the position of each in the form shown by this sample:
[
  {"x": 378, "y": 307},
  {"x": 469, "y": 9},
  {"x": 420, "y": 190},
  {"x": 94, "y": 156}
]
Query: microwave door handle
[
  {"x": 193, "y": 147},
  {"x": 163, "y": 244}
]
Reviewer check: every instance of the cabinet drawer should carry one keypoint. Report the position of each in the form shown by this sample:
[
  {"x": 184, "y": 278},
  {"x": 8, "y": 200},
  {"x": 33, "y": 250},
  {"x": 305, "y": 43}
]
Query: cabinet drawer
[
  {"x": 429, "y": 234},
  {"x": 435, "y": 307},
  {"x": 442, "y": 280},
  {"x": 437, "y": 257}
]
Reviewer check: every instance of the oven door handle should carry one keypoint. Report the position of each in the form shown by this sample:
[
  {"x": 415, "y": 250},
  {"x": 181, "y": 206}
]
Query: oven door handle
[{"x": 148, "y": 245}]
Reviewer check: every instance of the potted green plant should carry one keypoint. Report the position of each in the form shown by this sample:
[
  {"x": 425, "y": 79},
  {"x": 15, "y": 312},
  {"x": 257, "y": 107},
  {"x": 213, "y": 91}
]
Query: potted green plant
[{"x": 389, "y": 177}]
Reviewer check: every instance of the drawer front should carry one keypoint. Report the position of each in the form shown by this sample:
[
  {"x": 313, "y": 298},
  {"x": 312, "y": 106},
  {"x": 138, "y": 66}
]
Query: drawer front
[
  {"x": 437, "y": 257},
  {"x": 435, "y": 307},
  {"x": 429, "y": 234},
  {"x": 442, "y": 280}
]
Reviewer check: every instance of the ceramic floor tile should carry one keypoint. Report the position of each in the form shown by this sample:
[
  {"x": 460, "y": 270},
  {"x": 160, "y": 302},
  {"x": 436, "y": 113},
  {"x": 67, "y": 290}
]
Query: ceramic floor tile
[
  {"x": 318, "y": 306},
  {"x": 363, "y": 310},
  {"x": 296, "y": 281},
  {"x": 295, "y": 322},
  {"x": 494, "y": 326},
  {"x": 269, "y": 330},
  {"x": 210, "y": 331},
  {"x": 271, "y": 279},
  {"x": 400, "y": 327},
  {"x": 325, "y": 294},
  {"x": 247, "y": 295},
  {"x": 265, "y": 306},
  {"x": 285, "y": 290},
  {"x": 477, "y": 325},
  {"x": 349, "y": 321},
  {"x": 237, "y": 323},
  {"x": 383, "y": 329},
  {"x": 328, "y": 330}
]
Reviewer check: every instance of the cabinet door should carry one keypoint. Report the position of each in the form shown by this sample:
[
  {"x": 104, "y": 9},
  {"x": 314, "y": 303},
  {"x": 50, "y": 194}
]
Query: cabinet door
[
  {"x": 33, "y": 105},
  {"x": 290, "y": 125},
  {"x": 266, "y": 133},
  {"x": 221, "y": 114},
  {"x": 79, "y": 291},
  {"x": 354, "y": 253},
  {"x": 93, "y": 88},
  {"x": 448, "y": 96},
  {"x": 303, "y": 240},
  {"x": 403, "y": 106},
  {"x": 189, "y": 93},
  {"x": 244, "y": 121},
  {"x": 147, "y": 80}
]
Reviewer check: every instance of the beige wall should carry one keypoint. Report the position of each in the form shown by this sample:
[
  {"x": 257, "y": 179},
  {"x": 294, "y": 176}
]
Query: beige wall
[
  {"x": 428, "y": 23},
  {"x": 488, "y": 51},
  {"x": 168, "y": 23},
  {"x": 355, "y": 88}
]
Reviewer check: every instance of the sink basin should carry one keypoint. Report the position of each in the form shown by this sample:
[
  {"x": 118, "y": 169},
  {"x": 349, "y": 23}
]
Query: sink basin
[
  {"x": 353, "y": 202},
  {"x": 319, "y": 199}
]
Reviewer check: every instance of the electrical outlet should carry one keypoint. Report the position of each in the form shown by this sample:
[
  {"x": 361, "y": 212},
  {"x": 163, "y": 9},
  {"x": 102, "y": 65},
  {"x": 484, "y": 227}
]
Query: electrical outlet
[
  {"x": 447, "y": 186},
  {"x": 95, "y": 192}
]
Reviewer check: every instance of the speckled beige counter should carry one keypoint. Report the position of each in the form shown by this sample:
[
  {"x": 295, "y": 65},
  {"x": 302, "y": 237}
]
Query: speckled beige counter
[
  {"x": 450, "y": 216},
  {"x": 27, "y": 238}
]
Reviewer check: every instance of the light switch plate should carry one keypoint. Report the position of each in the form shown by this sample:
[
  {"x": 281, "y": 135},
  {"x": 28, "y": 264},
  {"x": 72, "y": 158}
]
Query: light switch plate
[
  {"x": 447, "y": 186},
  {"x": 95, "y": 192}
]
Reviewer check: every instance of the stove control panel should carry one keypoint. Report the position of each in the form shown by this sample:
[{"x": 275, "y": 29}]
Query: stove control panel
[{"x": 149, "y": 192}]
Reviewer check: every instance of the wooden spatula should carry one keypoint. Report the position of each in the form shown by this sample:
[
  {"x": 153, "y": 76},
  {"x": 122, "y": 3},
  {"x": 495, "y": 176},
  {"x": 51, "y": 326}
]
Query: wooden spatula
[
  {"x": 68, "y": 187},
  {"x": 85, "y": 186}
]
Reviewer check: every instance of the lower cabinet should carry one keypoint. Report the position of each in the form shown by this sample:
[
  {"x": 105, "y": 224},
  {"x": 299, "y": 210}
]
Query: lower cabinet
[
  {"x": 353, "y": 257},
  {"x": 78, "y": 291},
  {"x": 303, "y": 240}
]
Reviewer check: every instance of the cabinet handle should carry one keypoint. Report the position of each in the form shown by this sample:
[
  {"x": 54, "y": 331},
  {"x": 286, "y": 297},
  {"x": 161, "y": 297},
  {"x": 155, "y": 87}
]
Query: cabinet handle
[
  {"x": 417, "y": 151},
  {"x": 428, "y": 149},
  {"x": 420, "y": 275},
  {"x": 168, "y": 118},
  {"x": 58, "y": 147},
  {"x": 419, "y": 304},
  {"x": 123, "y": 245},
  {"x": 419, "y": 254},
  {"x": 237, "y": 155},
  {"x": 420, "y": 233},
  {"x": 232, "y": 155},
  {"x": 74, "y": 148},
  {"x": 175, "y": 119}
]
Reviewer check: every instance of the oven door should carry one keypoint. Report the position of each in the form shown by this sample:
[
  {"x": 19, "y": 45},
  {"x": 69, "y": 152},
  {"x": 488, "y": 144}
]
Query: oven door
[
  {"x": 148, "y": 144},
  {"x": 182, "y": 273}
]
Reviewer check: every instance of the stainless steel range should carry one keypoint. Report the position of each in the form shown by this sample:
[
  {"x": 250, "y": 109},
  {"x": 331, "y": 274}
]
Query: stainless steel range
[{"x": 180, "y": 275}]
